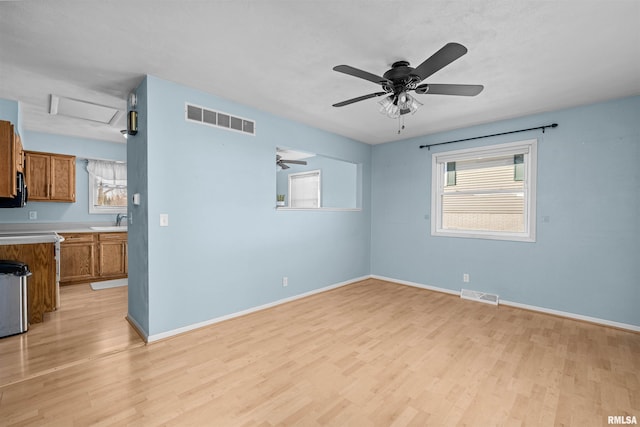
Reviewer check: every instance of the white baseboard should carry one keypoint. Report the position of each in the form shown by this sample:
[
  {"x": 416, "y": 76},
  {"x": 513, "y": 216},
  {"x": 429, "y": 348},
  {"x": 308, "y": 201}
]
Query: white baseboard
[
  {"x": 138, "y": 328},
  {"x": 163, "y": 335},
  {"x": 416, "y": 285},
  {"x": 566, "y": 314},
  {"x": 574, "y": 316}
]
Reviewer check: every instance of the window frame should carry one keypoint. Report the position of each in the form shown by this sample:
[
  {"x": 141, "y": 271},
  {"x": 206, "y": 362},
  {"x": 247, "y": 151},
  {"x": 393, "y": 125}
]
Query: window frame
[
  {"x": 439, "y": 181},
  {"x": 93, "y": 209}
]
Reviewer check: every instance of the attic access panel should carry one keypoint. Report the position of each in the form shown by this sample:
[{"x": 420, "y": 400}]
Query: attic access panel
[{"x": 76, "y": 108}]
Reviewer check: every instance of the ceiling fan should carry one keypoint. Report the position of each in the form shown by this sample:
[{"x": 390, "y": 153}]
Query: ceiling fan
[
  {"x": 283, "y": 162},
  {"x": 401, "y": 78}
]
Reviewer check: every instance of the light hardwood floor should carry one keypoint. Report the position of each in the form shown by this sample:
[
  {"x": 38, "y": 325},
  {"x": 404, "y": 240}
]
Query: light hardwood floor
[
  {"x": 87, "y": 325},
  {"x": 371, "y": 353}
]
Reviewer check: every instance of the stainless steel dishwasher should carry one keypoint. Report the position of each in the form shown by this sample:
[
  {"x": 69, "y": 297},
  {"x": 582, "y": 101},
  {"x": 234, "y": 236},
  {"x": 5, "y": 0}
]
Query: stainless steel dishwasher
[{"x": 14, "y": 318}]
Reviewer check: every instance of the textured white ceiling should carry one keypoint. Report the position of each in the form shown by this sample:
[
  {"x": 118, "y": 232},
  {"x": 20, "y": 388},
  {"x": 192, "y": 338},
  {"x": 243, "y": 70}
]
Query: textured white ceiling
[{"x": 277, "y": 55}]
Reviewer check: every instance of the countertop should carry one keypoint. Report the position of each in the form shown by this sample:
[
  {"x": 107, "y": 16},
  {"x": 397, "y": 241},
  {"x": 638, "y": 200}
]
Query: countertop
[
  {"x": 24, "y": 233},
  {"x": 23, "y": 238}
]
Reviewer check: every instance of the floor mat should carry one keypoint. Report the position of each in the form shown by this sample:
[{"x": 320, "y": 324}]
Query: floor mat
[{"x": 109, "y": 284}]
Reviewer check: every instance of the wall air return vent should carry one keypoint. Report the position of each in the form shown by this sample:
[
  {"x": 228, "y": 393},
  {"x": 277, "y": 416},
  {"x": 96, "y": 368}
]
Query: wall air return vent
[
  {"x": 195, "y": 113},
  {"x": 479, "y": 296}
]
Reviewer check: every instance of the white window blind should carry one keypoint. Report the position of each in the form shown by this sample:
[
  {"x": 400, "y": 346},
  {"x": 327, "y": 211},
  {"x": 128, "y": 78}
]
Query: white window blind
[{"x": 304, "y": 189}]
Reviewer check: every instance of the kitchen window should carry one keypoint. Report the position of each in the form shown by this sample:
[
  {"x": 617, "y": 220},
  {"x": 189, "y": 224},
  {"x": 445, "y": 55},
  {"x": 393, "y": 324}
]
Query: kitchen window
[
  {"x": 487, "y": 192},
  {"x": 107, "y": 186},
  {"x": 304, "y": 189}
]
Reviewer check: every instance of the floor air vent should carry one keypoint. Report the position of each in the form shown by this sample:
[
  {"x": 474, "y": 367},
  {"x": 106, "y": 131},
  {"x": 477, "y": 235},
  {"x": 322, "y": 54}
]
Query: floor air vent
[
  {"x": 479, "y": 296},
  {"x": 194, "y": 113}
]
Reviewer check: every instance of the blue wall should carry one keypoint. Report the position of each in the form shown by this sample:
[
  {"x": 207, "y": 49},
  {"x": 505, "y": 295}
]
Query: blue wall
[
  {"x": 66, "y": 212},
  {"x": 138, "y": 236},
  {"x": 227, "y": 248},
  {"x": 585, "y": 259},
  {"x": 10, "y": 112}
]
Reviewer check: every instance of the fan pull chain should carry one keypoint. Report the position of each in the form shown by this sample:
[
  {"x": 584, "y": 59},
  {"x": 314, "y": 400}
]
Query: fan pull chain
[{"x": 400, "y": 124}]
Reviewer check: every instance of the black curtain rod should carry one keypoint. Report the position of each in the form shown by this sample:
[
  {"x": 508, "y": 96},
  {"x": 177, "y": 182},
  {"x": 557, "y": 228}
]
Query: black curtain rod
[{"x": 554, "y": 125}]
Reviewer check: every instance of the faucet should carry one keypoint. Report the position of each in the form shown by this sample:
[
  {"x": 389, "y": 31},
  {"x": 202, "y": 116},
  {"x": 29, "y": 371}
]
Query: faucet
[{"x": 119, "y": 219}]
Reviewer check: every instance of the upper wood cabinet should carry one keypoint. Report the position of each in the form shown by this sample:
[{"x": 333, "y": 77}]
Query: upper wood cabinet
[
  {"x": 11, "y": 159},
  {"x": 19, "y": 154},
  {"x": 50, "y": 177}
]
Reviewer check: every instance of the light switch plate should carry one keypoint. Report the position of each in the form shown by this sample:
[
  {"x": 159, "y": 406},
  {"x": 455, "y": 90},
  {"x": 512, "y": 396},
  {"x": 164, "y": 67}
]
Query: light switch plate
[{"x": 164, "y": 220}]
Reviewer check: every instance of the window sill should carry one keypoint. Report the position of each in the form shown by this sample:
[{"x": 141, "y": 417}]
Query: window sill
[
  {"x": 483, "y": 235},
  {"x": 108, "y": 211},
  {"x": 284, "y": 208}
]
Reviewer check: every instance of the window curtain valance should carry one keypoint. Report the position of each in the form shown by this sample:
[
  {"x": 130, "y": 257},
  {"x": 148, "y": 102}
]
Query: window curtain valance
[{"x": 108, "y": 170}]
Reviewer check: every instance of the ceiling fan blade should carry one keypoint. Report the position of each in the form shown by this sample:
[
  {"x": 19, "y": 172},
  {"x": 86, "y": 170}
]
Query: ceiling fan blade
[
  {"x": 360, "y": 98},
  {"x": 282, "y": 165},
  {"x": 347, "y": 69},
  {"x": 447, "y": 89},
  {"x": 445, "y": 56}
]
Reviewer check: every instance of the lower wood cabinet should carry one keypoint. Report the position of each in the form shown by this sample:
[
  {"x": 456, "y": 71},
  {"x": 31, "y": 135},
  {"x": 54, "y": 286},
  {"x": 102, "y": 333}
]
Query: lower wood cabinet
[
  {"x": 41, "y": 285},
  {"x": 112, "y": 250},
  {"x": 77, "y": 257},
  {"x": 91, "y": 257}
]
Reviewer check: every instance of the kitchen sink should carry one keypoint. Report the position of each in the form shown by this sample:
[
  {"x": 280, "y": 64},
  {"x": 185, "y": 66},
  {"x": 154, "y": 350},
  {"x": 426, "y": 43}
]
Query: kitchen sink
[{"x": 110, "y": 228}]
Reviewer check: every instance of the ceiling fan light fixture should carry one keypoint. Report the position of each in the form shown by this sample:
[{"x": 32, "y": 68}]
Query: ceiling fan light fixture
[
  {"x": 389, "y": 106},
  {"x": 410, "y": 105},
  {"x": 385, "y": 102},
  {"x": 394, "y": 106}
]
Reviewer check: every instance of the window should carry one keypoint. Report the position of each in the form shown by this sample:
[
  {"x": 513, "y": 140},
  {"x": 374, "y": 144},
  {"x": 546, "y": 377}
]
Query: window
[
  {"x": 486, "y": 192},
  {"x": 107, "y": 186},
  {"x": 304, "y": 189}
]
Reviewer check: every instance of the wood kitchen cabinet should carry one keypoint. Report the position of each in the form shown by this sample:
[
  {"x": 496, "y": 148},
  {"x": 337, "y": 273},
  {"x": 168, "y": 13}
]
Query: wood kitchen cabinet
[
  {"x": 18, "y": 153},
  {"x": 91, "y": 257},
  {"x": 112, "y": 250},
  {"x": 11, "y": 159},
  {"x": 50, "y": 177},
  {"x": 77, "y": 257},
  {"x": 41, "y": 285}
]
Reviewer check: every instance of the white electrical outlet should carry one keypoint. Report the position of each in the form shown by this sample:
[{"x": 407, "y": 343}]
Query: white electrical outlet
[
  {"x": 33, "y": 214},
  {"x": 285, "y": 281},
  {"x": 465, "y": 277}
]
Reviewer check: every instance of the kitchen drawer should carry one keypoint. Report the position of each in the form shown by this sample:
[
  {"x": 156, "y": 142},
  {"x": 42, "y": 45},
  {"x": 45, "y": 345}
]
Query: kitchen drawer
[
  {"x": 112, "y": 236},
  {"x": 77, "y": 238}
]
